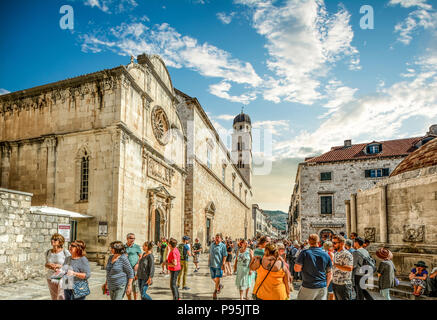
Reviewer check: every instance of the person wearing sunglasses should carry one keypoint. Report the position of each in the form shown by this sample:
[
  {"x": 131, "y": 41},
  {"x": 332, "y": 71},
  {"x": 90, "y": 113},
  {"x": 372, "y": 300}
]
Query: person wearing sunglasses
[
  {"x": 342, "y": 271},
  {"x": 134, "y": 253}
]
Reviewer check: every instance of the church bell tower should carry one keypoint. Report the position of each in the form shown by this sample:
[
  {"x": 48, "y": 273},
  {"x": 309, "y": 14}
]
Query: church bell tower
[{"x": 242, "y": 145}]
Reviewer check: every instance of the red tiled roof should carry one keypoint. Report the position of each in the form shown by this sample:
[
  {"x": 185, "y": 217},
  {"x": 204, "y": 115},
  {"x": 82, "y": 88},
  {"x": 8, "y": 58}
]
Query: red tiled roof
[
  {"x": 390, "y": 148},
  {"x": 425, "y": 156}
]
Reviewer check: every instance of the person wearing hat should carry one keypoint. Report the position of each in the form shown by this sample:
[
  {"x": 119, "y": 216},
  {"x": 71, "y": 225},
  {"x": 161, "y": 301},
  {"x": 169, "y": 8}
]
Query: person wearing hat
[
  {"x": 185, "y": 251},
  {"x": 386, "y": 272},
  {"x": 418, "y": 277}
]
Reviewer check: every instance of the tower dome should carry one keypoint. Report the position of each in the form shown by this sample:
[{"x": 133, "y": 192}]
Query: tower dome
[{"x": 242, "y": 117}]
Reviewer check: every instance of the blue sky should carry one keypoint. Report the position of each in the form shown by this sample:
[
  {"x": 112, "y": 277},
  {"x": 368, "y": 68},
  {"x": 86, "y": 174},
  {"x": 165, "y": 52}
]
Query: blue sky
[{"x": 304, "y": 69}]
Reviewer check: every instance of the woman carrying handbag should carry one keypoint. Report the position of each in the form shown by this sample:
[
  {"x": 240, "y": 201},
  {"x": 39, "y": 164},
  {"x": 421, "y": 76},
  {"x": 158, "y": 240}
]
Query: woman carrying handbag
[{"x": 272, "y": 281}]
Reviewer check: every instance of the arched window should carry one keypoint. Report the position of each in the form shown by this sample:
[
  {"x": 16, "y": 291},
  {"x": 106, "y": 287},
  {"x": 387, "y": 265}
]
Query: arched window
[{"x": 84, "y": 176}]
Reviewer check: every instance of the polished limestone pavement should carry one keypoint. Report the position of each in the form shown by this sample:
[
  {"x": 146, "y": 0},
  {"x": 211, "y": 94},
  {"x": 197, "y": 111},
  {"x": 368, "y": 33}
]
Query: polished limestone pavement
[{"x": 200, "y": 284}]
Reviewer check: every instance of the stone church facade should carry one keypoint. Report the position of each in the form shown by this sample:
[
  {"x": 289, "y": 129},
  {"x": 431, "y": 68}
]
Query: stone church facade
[
  {"x": 109, "y": 144},
  {"x": 212, "y": 172}
]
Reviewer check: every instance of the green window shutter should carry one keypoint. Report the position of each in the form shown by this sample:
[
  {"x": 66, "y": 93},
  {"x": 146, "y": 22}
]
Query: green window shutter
[
  {"x": 367, "y": 173},
  {"x": 385, "y": 172}
]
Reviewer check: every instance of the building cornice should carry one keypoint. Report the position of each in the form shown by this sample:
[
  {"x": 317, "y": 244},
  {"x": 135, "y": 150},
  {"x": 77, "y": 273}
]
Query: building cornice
[
  {"x": 204, "y": 116},
  {"x": 219, "y": 180}
]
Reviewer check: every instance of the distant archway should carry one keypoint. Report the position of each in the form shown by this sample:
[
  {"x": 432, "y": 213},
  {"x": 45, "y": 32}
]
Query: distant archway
[{"x": 326, "y": 232}]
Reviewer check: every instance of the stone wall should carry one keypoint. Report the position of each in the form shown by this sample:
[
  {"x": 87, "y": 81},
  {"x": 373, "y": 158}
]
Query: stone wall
[
  {"x": 347, "y": 178},
  {"x": 24, "y": 237},
  {"x": 409, "y": 208}
]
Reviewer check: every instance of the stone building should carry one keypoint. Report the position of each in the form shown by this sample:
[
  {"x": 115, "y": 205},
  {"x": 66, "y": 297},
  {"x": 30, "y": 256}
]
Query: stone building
[
  {"x": 325, "y": 182},
  {"x": 112, "y": 144},
  {"x": 218, "y": 194},
  {"x": 400, "y": 212}
]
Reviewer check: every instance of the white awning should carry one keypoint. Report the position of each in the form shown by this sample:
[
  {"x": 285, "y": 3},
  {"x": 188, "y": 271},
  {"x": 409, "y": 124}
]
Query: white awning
[{"x": 58, "y": 212}]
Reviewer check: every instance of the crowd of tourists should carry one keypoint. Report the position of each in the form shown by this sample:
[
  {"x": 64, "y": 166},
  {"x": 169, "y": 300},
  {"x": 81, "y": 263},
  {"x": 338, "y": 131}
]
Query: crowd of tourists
[{"x": 331, "y": 268}]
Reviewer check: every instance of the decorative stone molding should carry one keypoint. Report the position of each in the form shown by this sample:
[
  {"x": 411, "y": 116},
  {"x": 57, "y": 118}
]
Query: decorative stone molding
[
  {"x": 159, "y": 171},
  {"x": 414, "y": 233},
  {"x": 160, "y": 125},
  {"x": 370, "y": 234}
]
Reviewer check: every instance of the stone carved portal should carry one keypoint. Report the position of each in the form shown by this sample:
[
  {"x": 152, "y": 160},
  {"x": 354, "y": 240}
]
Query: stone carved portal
[
  {"x": 160, "y": 125},
  {"x": 414, "y": 233},
  {"x": 370, "y": 234},
  {"x": 160, "y": 205}
]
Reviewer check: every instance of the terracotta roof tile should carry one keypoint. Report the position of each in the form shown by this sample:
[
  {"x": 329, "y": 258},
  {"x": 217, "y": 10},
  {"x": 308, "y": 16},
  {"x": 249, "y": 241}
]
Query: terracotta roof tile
[
  {"x": 390, "y": 148},
  {"x": 425, "y": 156}
]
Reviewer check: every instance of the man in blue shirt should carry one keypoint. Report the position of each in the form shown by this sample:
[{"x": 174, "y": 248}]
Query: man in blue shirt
[
  {"x": 216, "y": 262},
  {"x": 315, "y": 266}
]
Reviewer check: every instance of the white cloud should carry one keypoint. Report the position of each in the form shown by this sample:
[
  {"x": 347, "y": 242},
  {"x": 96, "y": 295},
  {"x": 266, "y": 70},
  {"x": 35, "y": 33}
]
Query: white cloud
[
  {"x": 3, "y": 91},
  {"x": 177, "y": 51},
  {"x": 277, "y": 127},
  {"x": 226, "y": 117},
  {"x": 111, "y": 6},
  {"x": 222, "y": 88},
  {"x": 424, "y": 17},
  {"x": 303, "y": 42},
  {"x": 224, "y": 18},
  {"x": 372, "y": 117},
  {"x": 411, "y": 3}
]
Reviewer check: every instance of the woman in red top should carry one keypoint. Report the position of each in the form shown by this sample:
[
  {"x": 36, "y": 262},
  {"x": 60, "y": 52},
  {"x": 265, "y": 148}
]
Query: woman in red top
[{"x": 174, "y": 265}]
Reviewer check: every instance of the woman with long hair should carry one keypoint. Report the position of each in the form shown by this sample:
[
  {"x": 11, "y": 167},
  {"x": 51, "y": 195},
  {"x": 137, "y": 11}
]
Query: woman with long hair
[
  {"x": 146, "y": 270},
  {"x": 272, "y": 280},
  {"x": 243, "y": 279}
]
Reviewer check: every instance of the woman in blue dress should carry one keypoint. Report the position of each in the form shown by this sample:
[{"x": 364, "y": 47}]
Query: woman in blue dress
[{"x": 244, "y": 277}]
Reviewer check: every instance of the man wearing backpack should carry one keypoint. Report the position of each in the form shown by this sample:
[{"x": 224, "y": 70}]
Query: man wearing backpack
[
  {"x": 361, "y": 258},
  {"x": 185, "y": 251}
]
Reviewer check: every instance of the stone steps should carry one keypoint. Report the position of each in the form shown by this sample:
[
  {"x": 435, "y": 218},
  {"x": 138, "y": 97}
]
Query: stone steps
[{"x": 403, "y": 290}]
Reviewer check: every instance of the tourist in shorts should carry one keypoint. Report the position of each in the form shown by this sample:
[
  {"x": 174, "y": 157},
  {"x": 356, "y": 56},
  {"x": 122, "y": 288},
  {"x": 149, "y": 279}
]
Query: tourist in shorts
[
  {"x": 197, "y": 249},
  {"x": 329, "y": 249},
  {"x": 216, "y": 262},
  {"x": 418, "y": 277},
  {"x": 55, "y": 258},
  {"x": 133, "y": 253},
  {"x": 315, "y": 266}
]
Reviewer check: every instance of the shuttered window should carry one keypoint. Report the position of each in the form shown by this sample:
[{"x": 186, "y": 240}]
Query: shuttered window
[
  {"x": 325, "y": 176},
  {"x": 377, "y": 173},
  {"x": 326, "y": 204}
]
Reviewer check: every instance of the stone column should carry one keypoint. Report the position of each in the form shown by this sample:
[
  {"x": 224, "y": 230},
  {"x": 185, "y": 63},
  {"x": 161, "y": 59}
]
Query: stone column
[
  {"x": 353, "y": 210},
  {"x": 51, "y": 143},
  {"x": 5, "y": 163},
  {"x": 169, "y": 205},
  {"x": 152, "y": 207},
  {"x": 383, "y": 215},
  {"x": 348, "y": 217}
]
